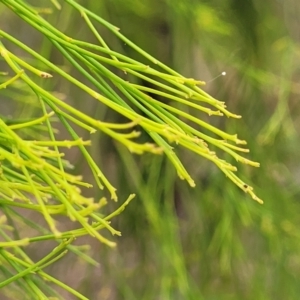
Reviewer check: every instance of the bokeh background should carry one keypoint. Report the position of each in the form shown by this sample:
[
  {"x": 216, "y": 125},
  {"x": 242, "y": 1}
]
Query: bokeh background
[{"x": 212, "y": 241}]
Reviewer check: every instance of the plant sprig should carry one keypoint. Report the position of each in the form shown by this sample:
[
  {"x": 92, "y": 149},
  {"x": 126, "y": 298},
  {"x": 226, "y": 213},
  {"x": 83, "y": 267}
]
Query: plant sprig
[{"x": 35, "y": 176}]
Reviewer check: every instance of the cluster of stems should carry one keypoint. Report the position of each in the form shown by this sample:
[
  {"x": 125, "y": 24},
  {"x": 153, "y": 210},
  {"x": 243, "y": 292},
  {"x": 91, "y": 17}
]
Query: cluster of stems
[{"x": 35, "y": 176}]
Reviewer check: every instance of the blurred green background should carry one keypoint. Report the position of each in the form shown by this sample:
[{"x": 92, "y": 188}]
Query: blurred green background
[{"x": 213, "y": 241}]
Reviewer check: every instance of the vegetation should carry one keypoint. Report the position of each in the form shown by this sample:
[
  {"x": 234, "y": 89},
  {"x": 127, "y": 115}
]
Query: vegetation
[{"x": 80, "y": 99}]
